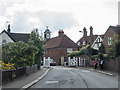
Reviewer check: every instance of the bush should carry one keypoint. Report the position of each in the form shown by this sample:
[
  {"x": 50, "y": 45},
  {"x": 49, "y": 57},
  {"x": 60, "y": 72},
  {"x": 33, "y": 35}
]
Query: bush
[
  {"x": 19, "y": 53},
  {"x": 117, "y": 49},
  {"x": 100, "y": 56}
]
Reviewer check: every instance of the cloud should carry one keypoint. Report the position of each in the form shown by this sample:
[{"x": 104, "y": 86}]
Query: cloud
[{"x": 26, "y": 21}]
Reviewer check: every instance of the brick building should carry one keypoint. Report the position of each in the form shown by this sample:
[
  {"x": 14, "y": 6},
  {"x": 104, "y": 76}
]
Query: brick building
[
  {"x": 110, "y": 36},
  {"x": 88, "y": 40},
  {"x": 58, "y": 47}
]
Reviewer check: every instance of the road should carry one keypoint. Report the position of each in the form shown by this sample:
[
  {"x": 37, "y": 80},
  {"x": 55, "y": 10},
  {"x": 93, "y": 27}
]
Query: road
[{"x": 63, "y": 77}]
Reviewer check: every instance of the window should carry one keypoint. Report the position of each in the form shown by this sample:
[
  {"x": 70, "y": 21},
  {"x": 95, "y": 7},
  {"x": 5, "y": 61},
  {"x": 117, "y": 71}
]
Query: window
[
  {"x": 109, "y": 40},
  {"x": 78, "y": 43},
  {"x": 84, "y": 43},
  {"x": 69, "y": 50},
  {"x": 4, "y": 42}
]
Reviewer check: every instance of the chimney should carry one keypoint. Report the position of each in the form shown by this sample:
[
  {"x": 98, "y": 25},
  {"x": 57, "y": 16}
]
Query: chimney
[
  {"x": 61, "y": 32},
  {"x": 91, "y": 31},
  {"x": 84, "y": 32},
  {"x": 8, "y": 30}
]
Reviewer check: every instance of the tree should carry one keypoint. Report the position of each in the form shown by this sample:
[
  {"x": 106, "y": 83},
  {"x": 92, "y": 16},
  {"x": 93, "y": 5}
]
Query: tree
[
  {"x": 19, "y": 53},
  {"x": 117, "y": 49},
  {"x": 36, "y": 41}
]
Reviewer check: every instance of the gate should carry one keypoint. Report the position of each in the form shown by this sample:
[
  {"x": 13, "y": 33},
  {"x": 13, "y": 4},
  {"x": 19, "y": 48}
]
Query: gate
[
  {"x": 46, "y": 62},
  {"x": 72, "y": 62},
  {"x": 82, "y": 61}
]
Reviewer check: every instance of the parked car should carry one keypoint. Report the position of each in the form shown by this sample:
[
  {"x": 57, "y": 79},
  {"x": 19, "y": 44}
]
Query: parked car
[{"x": 52, "y": 62}]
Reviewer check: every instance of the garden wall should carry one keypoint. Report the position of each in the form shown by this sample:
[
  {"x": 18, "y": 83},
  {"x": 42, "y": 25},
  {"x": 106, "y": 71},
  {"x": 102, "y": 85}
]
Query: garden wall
[
  {"x": 111, "y": 64},
  {"x": 8, "y": 75}
]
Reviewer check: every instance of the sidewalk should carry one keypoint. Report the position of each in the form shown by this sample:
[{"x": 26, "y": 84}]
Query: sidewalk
[
  {"x": 107, "y": 72},
  {"x": 22, "y": 81}
]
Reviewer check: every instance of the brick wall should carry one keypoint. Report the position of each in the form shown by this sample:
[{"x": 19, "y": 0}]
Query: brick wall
[
  {"x": 110, "y": 33},
  {"x": 112, "y": 64},
  {"x": 57, "y": 53}
]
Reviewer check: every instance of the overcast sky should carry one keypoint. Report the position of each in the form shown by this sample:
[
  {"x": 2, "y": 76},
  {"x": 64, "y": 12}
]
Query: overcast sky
[{"x": 69, "y": 15}]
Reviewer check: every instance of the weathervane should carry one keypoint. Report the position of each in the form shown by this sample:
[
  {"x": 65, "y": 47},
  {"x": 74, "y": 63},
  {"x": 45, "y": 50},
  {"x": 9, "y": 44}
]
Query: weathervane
[{"x": 47, "y": 27}]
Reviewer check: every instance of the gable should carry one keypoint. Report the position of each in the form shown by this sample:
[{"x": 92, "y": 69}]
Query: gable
[
  {"x": 111, "y": 31},
  {"x": 97, "y": 42},
  {"x": 62, "y": 41},
  {"x": 5, "y": 37}
]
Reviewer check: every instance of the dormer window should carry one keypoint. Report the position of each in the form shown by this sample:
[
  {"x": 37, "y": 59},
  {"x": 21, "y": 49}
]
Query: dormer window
[
  {"x": 109, "y": 40},
  {"x": 84, "y": 43},
  {"x": 4, "y": 42}
]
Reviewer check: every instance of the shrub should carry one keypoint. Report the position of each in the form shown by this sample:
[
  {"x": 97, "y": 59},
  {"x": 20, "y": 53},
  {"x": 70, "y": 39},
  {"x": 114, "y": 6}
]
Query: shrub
[{"x": 7, "y": 66}]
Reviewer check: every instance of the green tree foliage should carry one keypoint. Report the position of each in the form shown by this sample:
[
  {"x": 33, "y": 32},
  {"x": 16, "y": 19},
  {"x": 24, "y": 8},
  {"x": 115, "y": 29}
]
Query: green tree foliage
[
  {"x": 117, "y": 49},
  {"x": 19, "y": 53},
  {"x": 36, "y": 41},
  {"x": 102, "y": 49},
  {"x": 87, "y": 50}
]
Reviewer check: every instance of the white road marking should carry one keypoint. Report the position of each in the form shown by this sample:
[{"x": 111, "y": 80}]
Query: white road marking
[
  {"x": 51, "y": 82},
  {"x": 85, "y": 71}
]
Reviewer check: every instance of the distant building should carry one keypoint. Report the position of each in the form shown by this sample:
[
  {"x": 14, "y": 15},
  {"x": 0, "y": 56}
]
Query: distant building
[
  {"x": 8, "y": 36},
  {"x": 87, "y": 40},
  {"x": 58, "y": 47},
  {"x": 47, "y": 34},
  {"x": 110, "y": 36}
]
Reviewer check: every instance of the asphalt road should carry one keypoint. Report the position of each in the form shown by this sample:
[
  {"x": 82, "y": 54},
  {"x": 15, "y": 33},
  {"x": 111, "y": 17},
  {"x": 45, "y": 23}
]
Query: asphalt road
[{"x": 62, "y": 77}]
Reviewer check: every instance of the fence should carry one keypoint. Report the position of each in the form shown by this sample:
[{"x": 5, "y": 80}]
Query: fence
[
  {"x": 8, "y": 75},
  {"x": 77, "y": 61}
]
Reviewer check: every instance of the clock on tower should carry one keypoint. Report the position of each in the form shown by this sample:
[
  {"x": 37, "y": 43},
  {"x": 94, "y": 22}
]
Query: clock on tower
[{"x": 47, "y": 34}]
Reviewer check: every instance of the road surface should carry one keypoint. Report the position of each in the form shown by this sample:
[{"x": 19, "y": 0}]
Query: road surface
[{"x": 63, "y": 77}]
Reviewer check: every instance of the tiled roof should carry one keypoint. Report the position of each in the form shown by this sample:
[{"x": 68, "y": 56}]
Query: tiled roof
[
  {"x": 116, "y": 29},
  {"x": 88, "y": 40},
  {"x": 60, "y": 41},
  {"x": 18, "y": 36}
]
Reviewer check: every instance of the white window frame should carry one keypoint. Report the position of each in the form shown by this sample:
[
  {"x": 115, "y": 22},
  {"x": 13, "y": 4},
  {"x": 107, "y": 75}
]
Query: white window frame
[
  {"x": 109, "y": 40},
  {"x": 69, "y": 50},
  {"x": 78, "y": 43}
]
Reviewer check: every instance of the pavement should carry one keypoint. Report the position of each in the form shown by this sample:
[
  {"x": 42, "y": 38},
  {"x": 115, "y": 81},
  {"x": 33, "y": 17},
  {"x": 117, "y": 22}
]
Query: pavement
[
  {"x": 107, "y": 72},
  {"x": 27, "y": 81}
]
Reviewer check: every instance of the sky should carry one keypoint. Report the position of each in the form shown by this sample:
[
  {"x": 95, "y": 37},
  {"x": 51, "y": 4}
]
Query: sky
[{"x": 70, "y": 15}]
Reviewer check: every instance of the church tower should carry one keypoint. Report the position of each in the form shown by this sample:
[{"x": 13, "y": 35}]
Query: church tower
[{"x": 47, "y": 34}]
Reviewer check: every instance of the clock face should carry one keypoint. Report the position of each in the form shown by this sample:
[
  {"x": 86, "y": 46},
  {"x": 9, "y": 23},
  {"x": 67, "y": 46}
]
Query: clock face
[{"x": 47, "y": 36}]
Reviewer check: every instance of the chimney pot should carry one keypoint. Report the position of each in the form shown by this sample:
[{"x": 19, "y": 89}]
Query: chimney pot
[
  {"x": 8, "y": 30},
  {"x": 61, "y": 32},
  {"x": 91, "y": 31}
]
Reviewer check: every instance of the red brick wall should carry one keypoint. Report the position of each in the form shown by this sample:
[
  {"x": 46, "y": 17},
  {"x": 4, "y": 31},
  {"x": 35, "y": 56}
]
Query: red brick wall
[
  {"x": 56, "y": 54},
  {"x": 110, "y": 33}
]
